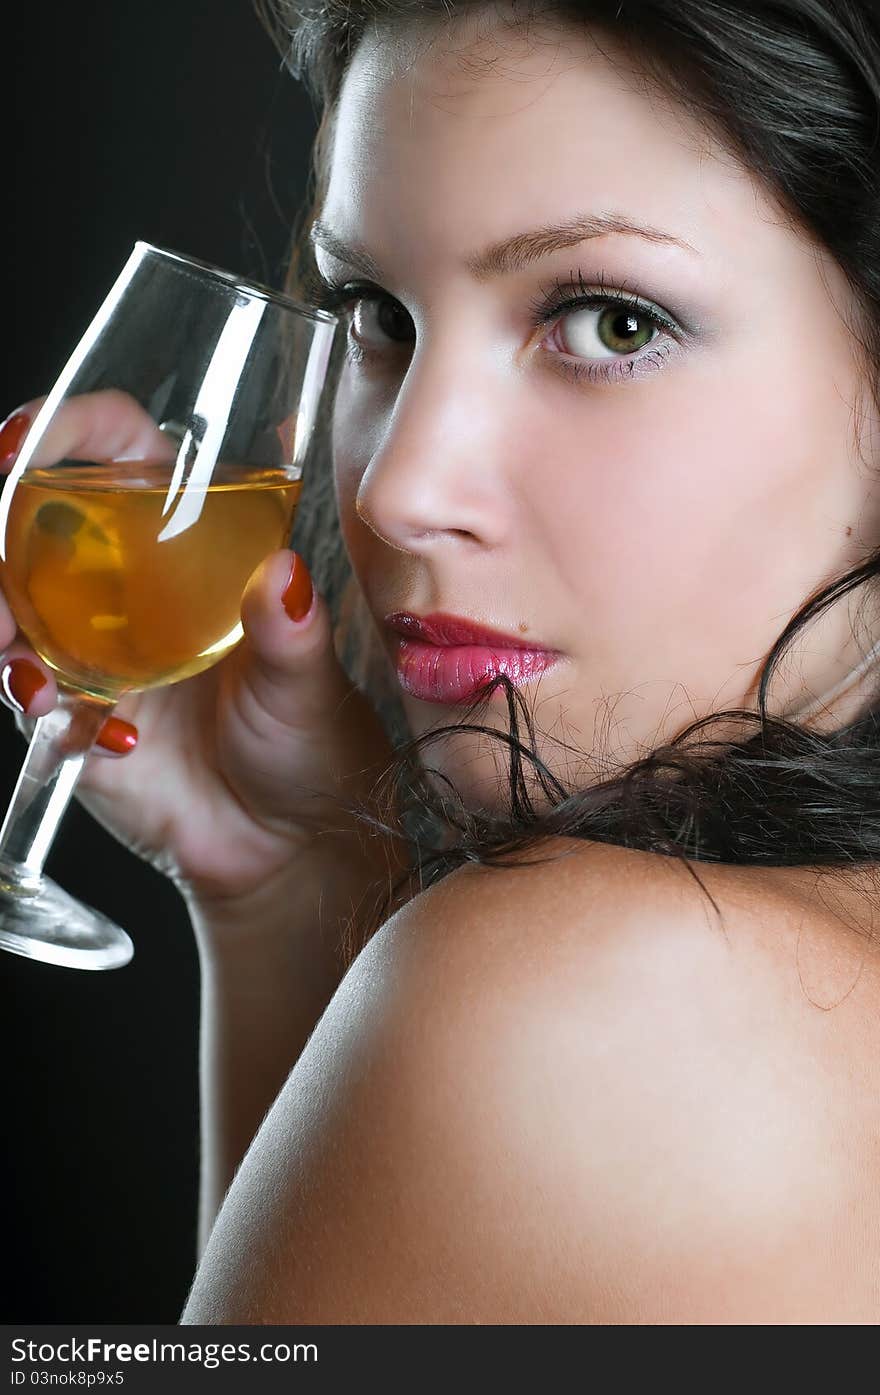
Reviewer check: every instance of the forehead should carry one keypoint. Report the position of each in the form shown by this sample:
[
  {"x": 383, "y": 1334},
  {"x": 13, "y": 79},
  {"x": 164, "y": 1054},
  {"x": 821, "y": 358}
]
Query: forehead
[{"x": 454, "y": 137}]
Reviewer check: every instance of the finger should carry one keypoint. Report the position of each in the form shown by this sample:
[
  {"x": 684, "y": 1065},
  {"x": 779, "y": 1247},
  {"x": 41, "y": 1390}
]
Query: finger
[
  {"x": 8, "y": 627},
  {"x": 287, "y": 658},
  {"x": 27, "y": 685},
  {"x": 13, "y": 432},
  {"x": 116, "y": 738},
  {"x": 96, "y": 426}
]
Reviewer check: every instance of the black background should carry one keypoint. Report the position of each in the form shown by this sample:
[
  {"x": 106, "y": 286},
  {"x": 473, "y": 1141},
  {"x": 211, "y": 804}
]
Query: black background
[{"x": 171, "y": 121}]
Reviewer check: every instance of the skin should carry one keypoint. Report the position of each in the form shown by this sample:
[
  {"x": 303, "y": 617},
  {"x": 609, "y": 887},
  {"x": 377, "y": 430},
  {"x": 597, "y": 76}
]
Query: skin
[
  {"x": 517, "y": 1110},
  {"x": 513, "y": 1109},
  {"x": 658, "y": 530}
]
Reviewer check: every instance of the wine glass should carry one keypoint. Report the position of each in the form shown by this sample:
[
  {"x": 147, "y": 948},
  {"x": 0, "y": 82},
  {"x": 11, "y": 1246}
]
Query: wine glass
[{"x": 164, "y": 465}]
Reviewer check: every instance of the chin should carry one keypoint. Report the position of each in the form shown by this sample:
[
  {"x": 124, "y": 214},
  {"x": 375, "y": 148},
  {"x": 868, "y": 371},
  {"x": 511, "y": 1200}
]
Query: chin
[{"x": 476, "y": 766}]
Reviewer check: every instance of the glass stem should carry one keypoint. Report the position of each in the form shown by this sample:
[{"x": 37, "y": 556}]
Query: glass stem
[{"x": 56, "y": 755}]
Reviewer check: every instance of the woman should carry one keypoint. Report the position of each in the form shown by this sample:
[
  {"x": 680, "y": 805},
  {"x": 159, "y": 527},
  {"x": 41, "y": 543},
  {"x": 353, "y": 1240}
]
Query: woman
[{"x": 611, "y": 274}]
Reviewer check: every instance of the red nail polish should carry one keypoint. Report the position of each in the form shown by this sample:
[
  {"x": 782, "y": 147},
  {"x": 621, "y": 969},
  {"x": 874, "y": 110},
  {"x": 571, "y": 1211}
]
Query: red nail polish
[
  {"x": 297, "y": 596},
  {"x": 12, "y": 434},
  {"x": 117, "y": 736},
  {"x": 21, "y": 681}
]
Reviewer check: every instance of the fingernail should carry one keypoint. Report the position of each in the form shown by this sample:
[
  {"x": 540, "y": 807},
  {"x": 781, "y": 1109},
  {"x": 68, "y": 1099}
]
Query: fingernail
[
  {"x": 297, "y": 595},
  {"x": 117, "y": 736},
  {"x": 21, "y": 681},
  {"x": 12, "y": 433}
]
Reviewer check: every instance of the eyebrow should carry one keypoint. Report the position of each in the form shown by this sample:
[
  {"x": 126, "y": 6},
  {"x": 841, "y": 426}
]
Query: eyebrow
[{"x": 512, "y": 253}]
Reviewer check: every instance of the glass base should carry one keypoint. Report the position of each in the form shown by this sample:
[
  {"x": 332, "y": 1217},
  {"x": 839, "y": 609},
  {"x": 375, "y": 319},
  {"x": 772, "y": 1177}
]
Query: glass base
[{"x": 46, "y": 923}]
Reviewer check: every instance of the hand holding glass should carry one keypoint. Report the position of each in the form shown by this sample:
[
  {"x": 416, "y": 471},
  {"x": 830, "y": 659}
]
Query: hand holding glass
[{"x": 164, "y": 465}]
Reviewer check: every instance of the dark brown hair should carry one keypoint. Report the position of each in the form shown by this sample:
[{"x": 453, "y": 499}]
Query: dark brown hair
[{"x": 793, "y": 89}]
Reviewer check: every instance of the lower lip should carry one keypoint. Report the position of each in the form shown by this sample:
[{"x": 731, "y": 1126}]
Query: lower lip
[{"x": 453, "y": 673}]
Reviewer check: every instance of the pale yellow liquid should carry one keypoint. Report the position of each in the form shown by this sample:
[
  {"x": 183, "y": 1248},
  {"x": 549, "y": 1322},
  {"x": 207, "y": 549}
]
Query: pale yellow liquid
[{"x": 107, "y": 604}]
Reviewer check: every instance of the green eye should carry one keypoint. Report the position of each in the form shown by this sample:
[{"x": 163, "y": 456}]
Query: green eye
[{"x": 623, "y": 330}]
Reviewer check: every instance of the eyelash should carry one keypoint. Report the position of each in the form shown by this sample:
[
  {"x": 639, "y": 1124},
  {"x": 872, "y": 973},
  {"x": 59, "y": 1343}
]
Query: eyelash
[{"x": 552, "y": 303}]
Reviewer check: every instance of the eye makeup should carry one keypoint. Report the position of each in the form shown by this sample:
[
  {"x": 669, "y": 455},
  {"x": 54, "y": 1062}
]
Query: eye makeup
[
  {"x": 554, "y": 304},
  {"x": 561, "y": 299}
]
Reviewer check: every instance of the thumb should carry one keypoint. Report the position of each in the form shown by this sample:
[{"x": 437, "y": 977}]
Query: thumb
[
  {"x": 286, "y": 662},
  {"x": 294, "y": 732}
]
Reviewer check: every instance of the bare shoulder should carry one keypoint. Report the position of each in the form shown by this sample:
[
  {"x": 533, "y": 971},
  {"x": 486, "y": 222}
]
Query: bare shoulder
[
  {"x": 792, "y": 943},
  {"x": 551, "y": 1093},
  {"x": 797, "y": 949}
]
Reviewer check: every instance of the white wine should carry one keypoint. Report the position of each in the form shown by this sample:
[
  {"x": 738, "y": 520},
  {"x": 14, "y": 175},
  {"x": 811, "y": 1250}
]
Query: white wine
[{"x": 112, "y": 597}]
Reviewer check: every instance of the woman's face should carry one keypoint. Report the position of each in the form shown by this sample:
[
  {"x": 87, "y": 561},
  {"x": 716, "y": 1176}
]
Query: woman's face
[{"x": 649, "y": 490}]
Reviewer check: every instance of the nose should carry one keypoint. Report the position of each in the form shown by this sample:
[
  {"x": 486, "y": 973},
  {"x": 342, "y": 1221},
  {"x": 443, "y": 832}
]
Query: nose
[{"x": 441, "y": 470}]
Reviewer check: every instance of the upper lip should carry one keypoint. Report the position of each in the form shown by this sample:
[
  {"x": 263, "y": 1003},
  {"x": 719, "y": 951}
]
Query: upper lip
[{"x": 439, "y": 628}]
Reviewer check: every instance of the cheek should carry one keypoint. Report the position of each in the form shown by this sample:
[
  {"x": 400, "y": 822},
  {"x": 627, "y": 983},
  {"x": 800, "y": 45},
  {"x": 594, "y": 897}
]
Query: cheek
[{"x": 706, "y": 501}]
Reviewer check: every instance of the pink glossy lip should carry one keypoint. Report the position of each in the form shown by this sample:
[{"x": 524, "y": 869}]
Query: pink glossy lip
[
  {"x": 440, "y": 628},
  {"x": 444, "y": 658}
]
